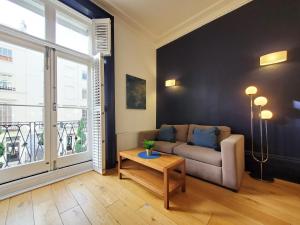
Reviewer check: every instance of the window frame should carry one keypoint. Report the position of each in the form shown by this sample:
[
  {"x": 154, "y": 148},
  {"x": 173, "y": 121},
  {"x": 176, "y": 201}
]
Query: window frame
[{"x": 52, "y": 7}]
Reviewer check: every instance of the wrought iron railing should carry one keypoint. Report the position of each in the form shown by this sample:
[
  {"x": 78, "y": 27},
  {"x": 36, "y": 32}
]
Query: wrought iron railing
[
  {"x": 7, "y": 88},
  {"x": 71, "y": 137},
  {"x": 21, "y": 143}
]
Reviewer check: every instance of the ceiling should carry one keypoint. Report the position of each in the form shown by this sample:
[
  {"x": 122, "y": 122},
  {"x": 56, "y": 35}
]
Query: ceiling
[{"x": 166, "y": 20}]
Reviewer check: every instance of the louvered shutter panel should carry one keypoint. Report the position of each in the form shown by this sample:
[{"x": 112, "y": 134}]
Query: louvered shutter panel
[
  {"x": 98, "y": 115},
  {"x": 102, "y": 36}
]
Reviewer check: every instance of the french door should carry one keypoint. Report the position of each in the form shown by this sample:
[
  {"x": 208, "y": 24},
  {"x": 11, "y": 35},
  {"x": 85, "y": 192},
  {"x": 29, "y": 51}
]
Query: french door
[
  {"x": 71, "y": 116},
  {"x": 45, "y": 118}
]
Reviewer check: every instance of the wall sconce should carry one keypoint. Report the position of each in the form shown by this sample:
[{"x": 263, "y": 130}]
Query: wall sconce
[
  {"x": 272, "y": 58},
  {"x": 170, "y": 83}
]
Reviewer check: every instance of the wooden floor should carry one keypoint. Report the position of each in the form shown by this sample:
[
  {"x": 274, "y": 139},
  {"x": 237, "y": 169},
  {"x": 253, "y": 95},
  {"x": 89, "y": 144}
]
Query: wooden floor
[{"x": 94, "y": 199}]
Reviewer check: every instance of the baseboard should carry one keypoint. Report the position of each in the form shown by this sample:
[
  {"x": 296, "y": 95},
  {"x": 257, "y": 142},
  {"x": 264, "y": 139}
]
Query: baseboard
[
  {"x": 30, "y": 183},
  {"x": 278, "y": 166}
]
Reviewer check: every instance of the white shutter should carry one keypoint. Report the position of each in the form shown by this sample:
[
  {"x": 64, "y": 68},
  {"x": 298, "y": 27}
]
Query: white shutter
[
  {"x": 98, "y": 125},
  {"x": 102, "y": 36}
]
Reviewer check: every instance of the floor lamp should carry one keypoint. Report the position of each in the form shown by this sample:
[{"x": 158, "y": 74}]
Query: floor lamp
[{"x": 263, "y": 117}]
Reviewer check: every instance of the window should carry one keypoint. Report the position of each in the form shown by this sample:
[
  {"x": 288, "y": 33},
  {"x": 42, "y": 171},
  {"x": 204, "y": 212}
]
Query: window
[
  {"x": 27, "y": 16},
  {"x": 72, "y": 33},
  {"x": 6, "y": 85},
  {"x": 5, "y": 113},
  {"x": 5, "y": 54},
  {"x": 73, "y": 112},
  {"x": 49, "y": 50},
  {"x": 84, "y": 75}
]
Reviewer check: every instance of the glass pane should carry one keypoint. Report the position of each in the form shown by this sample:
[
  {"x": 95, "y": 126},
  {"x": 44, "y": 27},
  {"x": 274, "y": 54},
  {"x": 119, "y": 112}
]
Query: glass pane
[
  {"x": 71, "y": 33},
  {"x": 72, "y": 86},
  {"x": 24, "y": 15},
  {"x": 21, "y": 105}
]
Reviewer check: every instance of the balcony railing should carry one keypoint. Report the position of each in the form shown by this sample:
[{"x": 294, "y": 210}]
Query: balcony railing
[
  {"x": 6, "y": 88},
  {"x": 22, "y": 143}
]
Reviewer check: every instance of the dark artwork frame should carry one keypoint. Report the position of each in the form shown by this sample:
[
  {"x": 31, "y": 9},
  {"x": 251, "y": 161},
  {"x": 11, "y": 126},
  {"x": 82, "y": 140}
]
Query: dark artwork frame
[{"x": 135, "y": 92}]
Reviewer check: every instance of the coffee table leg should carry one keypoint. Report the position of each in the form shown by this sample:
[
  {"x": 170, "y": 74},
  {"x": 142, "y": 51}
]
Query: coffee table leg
[
  {"x": 183, "y": 176},
  {"x": 119, "y": 166},
  {"x": 166, "y": 188}
]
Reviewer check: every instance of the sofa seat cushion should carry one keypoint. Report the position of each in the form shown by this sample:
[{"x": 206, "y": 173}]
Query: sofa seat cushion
[
  {"x": 201, "y": 154},
  {"x": 165, "y": 146}
]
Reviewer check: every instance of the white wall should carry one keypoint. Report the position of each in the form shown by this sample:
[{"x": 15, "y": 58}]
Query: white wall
[{"x": 134, "y": 55}]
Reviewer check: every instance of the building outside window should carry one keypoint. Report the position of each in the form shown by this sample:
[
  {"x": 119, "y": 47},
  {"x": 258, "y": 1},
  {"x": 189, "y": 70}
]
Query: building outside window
[
  {"x": 84, "y": 76},
  {"x": 6, "y": 54},
  {"x": 84, "y": 94},
  {"x": 84, "y": 115},
  {"x": 5, "y": 113},
  {"x": 6, "y": 85}
]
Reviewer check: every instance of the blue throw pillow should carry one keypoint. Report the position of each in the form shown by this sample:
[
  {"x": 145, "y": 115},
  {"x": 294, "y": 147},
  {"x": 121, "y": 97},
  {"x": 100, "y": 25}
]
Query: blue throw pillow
[
  {"x": 167, "y": 133},
  {"x": 206, "y": 137}
]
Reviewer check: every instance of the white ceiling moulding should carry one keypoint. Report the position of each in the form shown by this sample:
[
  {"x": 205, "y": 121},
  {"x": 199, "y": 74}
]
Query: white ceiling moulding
[
  {"x": 218, "y": 9},
  {"x": 204, "y": 16}
]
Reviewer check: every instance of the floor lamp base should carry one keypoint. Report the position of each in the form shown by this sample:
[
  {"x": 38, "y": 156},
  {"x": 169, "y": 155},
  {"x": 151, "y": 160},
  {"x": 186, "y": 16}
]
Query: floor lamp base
[{"x": 265, "y": 177}]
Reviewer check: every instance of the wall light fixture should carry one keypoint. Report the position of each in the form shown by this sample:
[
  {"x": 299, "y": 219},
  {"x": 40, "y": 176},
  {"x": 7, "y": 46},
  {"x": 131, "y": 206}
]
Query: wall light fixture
[
  {"x": 170, "y": 83},
  {"x": 272, "y": 58}
]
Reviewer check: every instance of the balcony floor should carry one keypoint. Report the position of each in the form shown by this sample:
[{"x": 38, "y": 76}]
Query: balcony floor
[{"x": 94, "y": 199}]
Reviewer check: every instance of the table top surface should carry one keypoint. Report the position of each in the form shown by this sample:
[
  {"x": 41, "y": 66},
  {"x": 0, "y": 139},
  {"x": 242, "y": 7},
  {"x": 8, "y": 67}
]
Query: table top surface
[{"x": 165, "y": 161}]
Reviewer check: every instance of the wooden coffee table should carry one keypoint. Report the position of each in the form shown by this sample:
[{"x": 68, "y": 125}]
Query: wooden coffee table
[{"x": 157, "y": 175}]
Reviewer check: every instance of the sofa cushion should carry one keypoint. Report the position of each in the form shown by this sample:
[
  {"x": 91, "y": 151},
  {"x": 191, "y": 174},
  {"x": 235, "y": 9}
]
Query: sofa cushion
[
  {"x": 181, "y": 131},
  {"x": 206, "y": 137},
  {"x": 224, "y": 131},
  {"x": 201, "y": 154},
  {"x": 165, "y": 146},
  {"x": 167, "y": 133}
]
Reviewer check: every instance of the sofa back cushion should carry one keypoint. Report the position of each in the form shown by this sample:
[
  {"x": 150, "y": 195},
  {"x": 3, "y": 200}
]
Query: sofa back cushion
[
  {"x": 206, "y": 137},
  {"x": 167, "y": 133},
  {"x": 181, "y": 131},
  {"x": 224, "y": 131}
]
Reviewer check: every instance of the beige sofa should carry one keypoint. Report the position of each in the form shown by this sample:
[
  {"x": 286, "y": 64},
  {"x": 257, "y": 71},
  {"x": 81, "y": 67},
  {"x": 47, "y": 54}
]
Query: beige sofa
[{"x": 225, "y": 167}]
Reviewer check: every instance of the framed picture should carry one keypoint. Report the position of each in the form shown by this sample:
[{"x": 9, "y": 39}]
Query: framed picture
[{"x": 135, "y": 92}]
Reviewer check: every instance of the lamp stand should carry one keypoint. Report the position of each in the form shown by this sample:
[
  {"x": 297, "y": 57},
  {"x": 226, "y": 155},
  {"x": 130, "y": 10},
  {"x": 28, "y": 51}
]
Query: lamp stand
[{"x": 263, "y": 157}]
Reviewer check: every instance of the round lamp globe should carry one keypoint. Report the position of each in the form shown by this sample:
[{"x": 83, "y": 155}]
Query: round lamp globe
[
  {"x": 251, "y": 90},
  {"x": 260, "y": 101}
]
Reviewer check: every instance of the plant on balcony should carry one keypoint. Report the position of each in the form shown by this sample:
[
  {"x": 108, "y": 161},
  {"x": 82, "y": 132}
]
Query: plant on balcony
[
  {"x": 80, "y": 145},
  {"x": 41, "y": 139},
  {"x": 2, "y": 149}
]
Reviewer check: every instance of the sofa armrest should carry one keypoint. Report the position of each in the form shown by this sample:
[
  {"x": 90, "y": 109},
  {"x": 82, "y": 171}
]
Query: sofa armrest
[
  {"x": 146, "y": 135},
  {"x": 233, "y": 161}
]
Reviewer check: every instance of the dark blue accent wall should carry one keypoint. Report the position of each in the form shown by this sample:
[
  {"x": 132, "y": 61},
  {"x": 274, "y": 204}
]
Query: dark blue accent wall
[
  {"x": 92, "y": 11},
  {"x": 215, "y": 63}
]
